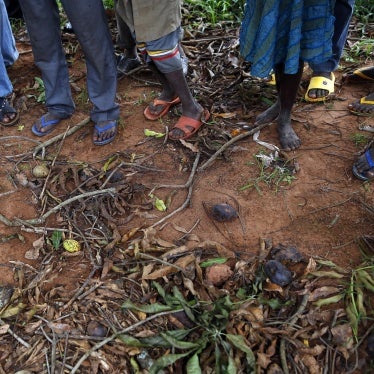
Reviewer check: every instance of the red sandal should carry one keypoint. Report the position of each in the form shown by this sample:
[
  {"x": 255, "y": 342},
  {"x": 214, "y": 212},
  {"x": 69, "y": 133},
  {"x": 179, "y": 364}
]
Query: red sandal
[
  {"x": 189, "y": 126},
  {"x": 166, "y": 107}
]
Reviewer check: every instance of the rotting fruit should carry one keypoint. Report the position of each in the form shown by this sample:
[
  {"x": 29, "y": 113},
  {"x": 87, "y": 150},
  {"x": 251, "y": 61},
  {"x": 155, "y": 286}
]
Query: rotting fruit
[
  {"x": 277, "y": 273},
  {"x": 223, "y": 212}
]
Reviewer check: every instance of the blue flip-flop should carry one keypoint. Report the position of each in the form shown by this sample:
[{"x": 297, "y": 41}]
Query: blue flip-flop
[
  {"x": 45, "y": 123},
  {"x": 110, "y": 125},
  {"x": 363, "y": 175}
]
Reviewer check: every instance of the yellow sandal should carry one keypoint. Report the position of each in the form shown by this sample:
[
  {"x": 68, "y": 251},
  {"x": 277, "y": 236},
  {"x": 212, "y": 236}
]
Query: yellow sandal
[{"x": 320, "y": 83}]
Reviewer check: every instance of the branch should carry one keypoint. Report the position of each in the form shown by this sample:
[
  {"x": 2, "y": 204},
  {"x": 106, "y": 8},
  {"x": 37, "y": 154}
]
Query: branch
[
  {"x": 60, "y": 136},
  {"x": 232, "y": 141},
  {"x": 40, "y": 220}
]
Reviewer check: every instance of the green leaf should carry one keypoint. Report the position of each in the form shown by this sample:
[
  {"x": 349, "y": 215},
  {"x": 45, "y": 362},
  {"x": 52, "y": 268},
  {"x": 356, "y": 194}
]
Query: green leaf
[
  {"x": 159, "y": 341},
  {"x": 178, "y": 343},
  {"x": 166, "y": 361},
  {"x": 106, "y": 166},
  {"x": 148, "y": 309},
  {"x": 231, "y": 367},
  {"x": 193, "y": 365},
  {"x": 239, "y": 342},
  {"x": 56, "y": 239},
  {"x": 213, "y": 261},
  {"x": 160, "y": 205},
  {"x": 328, "y": 300},
  {"x": 160, "y": 289},
  {"x": 131, "y": 341},
  {"x": 328, "y": 274},
  {"x": 152, "y": 133},
  {"x": 178, "y": 295}
]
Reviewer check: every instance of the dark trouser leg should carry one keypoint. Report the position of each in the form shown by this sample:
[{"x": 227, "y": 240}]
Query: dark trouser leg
[
  {"x": 90, "y": 25},
  {"x": 43, "y": 25}
]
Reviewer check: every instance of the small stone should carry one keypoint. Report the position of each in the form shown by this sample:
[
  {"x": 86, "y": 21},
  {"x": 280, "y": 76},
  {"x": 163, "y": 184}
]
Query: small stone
[
  {"x": 218, "y": 274},
  {"x": 95, "y": 328}
]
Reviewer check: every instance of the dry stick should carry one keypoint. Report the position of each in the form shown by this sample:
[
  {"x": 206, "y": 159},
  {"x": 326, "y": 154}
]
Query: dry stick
[
  {"x": 292, "y": 321},
  {"x": 149, "y": 257},
  {"x": 52, "y": 165},
  {"x": 60, "y": 136},
  {"x": 114, "y": 336},
  {"x": 190, "y": 178},
  {"x": 80, "y": 290},
  {"x": 40, "y": 220},
  {"x": 15, "y": 336},
  {"x": 232, "y": 141},
  {"x": 190, "y": 189}
]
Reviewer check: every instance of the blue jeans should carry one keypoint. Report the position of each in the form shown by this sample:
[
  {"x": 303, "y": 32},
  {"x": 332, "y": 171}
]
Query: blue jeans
[
  {"x": 343, "y": 13},
  {"x": 9, "y": 53},
  {"x": 89, "y": 23}
]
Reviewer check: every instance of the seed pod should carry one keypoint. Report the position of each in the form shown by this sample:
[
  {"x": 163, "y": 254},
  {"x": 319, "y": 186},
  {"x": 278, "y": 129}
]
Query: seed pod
[
  {"x": 95, "y": 328},
  {"x": 278, "y": 273},
  {"x": 71, "y": 245},
  {"x": 40, "y": 171},
  {"x": 223, "y": 212}
]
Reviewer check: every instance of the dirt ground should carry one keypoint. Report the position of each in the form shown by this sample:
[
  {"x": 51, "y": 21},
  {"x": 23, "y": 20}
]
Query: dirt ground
[{"x": 321, "y": 209}]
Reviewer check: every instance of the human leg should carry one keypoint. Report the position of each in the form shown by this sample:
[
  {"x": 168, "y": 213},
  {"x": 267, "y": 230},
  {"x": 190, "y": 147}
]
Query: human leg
[
  {"x": 8, "y": 55},
  {"x": 166, "y": 62},
  {"x": 43, "y": 25},
  {"x": 128, "y": 60},
  {"x": 8, "y": 49},
  {"x": 317, "y": 90},
  {"x": 90, "y": 25},
  {"x": 287, "y": 86}
]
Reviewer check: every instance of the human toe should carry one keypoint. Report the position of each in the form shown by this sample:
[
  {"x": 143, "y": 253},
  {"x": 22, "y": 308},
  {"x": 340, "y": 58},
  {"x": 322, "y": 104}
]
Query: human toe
[{"x": 104, "y": 132}]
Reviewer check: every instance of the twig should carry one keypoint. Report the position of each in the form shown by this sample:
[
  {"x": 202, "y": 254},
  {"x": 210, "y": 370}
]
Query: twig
[
  {"x": 292, "y": 320},
  {"x": 40, "y": 220},
  {"x": 60, "y": 136},
  {"x": 79, "y": 292},
  {"x": 330, "y": 206},
  {"x": 149, "y": 257},
  {"x": 182, "y": 207},
  {"x": 190, "y": 230},
  {"x": 15, "y": 336},
  {"x": 114, "y": 336},
  {"x": 190, "y": 189},
  {"x": 190, "y": 178},
  {"x": 52, "y": 165},
  {"x": 232, "y": 141}
]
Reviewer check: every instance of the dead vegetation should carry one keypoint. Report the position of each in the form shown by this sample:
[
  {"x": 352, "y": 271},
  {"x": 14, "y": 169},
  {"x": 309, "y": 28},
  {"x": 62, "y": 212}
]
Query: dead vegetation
[{"x": 142, "y": 303}]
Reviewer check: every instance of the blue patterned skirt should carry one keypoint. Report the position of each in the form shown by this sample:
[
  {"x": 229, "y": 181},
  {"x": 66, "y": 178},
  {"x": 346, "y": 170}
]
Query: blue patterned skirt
[{"x": 286, "y": 31}]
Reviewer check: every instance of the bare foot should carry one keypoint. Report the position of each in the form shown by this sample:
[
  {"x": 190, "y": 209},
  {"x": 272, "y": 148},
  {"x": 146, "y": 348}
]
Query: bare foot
[{"x": 287, "y": 136}]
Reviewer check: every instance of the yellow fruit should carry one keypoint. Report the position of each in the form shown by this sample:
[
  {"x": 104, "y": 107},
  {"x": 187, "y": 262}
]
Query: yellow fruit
[
  {"x": 71, "y": 245},
  {"x": 40, "y": 171}
]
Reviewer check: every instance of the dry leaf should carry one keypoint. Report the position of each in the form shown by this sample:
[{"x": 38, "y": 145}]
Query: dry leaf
[
  {"x": 59, "y": 328},
  {"x": 323, "y": 292},
  {"x": 4, "y": 329}
]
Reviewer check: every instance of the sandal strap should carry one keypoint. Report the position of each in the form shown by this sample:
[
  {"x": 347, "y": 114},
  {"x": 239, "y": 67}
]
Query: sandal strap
[
  {"x": 369, "y": 159},
  {"x": 5, "y": 108}
]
